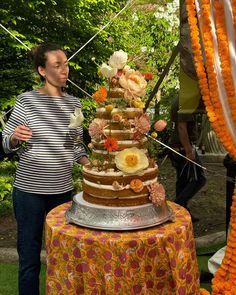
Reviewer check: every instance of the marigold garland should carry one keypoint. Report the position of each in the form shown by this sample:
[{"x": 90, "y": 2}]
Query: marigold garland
[
  {"x": 208, "y": 87},
  {"x": 224, "y": 281}
]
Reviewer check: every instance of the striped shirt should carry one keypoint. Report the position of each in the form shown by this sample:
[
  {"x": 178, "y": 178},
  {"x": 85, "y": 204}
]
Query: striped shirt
[{"x": 46, "y": 161}]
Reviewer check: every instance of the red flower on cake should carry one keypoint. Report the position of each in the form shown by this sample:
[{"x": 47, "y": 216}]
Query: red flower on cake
[
  {"x": 100, "y": 95},
  {"x": 148, "y": 76},
  {"x": 111, "y": 144}
]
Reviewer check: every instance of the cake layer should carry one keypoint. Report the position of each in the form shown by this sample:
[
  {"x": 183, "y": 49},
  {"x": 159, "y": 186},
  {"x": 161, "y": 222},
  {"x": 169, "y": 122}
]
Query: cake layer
[
  {"x": 120, "y": 134},
  {"x": 129, "y": 113},
  {"x": 116, "y": 202},
  {"x": 108, "y": 177},
  {"x": 122, "y": 144}
]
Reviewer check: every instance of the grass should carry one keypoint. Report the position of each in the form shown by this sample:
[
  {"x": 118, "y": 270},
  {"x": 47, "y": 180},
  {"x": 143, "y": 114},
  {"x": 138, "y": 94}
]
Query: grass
[
  {"x": 8, "y": 276},
  {"x": 8, "y": 279}
]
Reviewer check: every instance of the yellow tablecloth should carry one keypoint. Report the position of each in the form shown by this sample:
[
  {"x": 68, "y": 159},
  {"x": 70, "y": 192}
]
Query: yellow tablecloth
[{"x": 160, "y": 260}]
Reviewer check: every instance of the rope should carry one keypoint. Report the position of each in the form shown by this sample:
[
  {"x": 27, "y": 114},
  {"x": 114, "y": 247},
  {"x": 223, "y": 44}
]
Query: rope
[
  {"x": 110, "y": 21},
  {"x": 22, "y": 43}
]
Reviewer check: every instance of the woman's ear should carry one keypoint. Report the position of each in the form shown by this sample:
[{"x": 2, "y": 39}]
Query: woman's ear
[{"x": 41, "y": 71}]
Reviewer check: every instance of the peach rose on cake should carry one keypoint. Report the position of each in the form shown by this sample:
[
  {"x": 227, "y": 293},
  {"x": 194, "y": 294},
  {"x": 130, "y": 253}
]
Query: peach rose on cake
[
  {"x": 160, "y": 125},
  {"x": 136, "y": 185},
  {"x": 131, "y": 160},
  {"x": 118, "y": 59},
  {"x": 133, "y": 83}
]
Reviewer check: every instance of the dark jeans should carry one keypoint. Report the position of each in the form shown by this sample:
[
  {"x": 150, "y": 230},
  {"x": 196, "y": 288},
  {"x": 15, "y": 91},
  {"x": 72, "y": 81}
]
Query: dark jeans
[
  {"x": 190, "y": 178},
  {"x": 30, "y": 211}
]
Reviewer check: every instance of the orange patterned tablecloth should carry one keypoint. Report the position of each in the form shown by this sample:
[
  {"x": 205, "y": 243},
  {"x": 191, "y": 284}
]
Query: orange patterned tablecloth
[{"x": 160, "y": 260}]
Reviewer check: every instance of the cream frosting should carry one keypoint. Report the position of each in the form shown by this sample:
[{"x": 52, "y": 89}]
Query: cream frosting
[{"x": 111, "y": 188}]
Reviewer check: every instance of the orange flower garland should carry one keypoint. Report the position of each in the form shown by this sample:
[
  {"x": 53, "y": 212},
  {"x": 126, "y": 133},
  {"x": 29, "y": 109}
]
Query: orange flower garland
[
  {"x": 225, "y": 57},
  {"x": 224, "y": 282},
  {"x": 208, "y": 86}
]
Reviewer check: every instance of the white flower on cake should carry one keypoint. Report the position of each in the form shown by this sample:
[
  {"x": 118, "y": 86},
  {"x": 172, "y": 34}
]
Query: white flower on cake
[
  {"x": 131, "y": 160},
  {"x": 108, "y": 71},
  {"x": 76, "y": 119},
  {"x": 134, "y": 84},
  {"x": 118, "y": 59}
]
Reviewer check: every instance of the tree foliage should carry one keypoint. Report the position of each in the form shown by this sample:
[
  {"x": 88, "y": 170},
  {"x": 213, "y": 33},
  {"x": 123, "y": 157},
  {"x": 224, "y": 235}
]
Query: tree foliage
[{"x": 68, "y": 23}]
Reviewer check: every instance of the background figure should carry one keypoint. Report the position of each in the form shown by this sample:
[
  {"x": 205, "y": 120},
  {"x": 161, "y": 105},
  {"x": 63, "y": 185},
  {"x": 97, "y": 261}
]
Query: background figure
[
  {"x": 190, "y": 178},
  {"x": 40, "y": 120}
]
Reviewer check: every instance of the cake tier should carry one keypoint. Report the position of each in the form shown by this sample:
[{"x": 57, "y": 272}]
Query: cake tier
[
  {"x": 112, "y": 188},
  {"x": 122, "y": 144},
  {"x": 128, "y": 113},
  {"x": 116, "y": 202}
]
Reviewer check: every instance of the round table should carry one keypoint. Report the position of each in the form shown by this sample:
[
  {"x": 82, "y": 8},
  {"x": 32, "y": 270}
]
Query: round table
[{"x": 160, "y": 260}]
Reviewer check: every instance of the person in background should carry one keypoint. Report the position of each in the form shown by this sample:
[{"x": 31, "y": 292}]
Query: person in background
[
  {"x": 39, "y": 129},
  {"x": 190, "y": 178}
]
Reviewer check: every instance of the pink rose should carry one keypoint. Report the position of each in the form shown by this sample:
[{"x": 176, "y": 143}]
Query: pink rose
[{"x": 160, "y": 125}]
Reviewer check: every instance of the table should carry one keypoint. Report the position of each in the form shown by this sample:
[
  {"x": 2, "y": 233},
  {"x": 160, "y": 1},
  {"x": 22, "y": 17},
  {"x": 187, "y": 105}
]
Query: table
[{"x": 160, "y": 260}]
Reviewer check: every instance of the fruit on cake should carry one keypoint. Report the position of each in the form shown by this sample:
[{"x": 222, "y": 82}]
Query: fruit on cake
[{"x": 121, "y": 172}]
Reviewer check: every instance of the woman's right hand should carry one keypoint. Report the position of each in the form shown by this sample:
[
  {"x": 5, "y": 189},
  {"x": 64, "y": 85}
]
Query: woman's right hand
[{"x": 21, "y": 133}]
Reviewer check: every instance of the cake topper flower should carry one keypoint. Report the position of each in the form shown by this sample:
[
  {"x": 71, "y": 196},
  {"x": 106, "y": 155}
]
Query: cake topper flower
[
  {"x": 96, "y": 129},
  {"x": 118, "y": 59},
  {"x": 131, "y": 160},
  {"x": 133, "y": 83},
  {"x": 108, "y": 71},
  {"x": 76, "y": 119}
]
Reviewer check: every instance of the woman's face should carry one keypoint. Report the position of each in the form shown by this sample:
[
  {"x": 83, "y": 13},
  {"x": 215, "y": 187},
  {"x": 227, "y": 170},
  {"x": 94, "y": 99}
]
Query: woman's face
[{"x": 56, "y": 68}]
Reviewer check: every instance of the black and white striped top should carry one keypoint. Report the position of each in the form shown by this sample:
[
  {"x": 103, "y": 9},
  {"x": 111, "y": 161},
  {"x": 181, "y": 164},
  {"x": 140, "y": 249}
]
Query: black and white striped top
[{"x": 46, "y": 160}]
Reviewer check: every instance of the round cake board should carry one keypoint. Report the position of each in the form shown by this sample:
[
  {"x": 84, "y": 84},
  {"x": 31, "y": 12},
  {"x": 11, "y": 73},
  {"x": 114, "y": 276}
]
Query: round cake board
[{"x": 116, "y": 218}]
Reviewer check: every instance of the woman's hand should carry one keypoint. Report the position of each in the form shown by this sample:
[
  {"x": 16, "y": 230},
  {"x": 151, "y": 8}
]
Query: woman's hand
[
  {"x": 21, "y": 133},
  {"x": 83, "y": 160}
]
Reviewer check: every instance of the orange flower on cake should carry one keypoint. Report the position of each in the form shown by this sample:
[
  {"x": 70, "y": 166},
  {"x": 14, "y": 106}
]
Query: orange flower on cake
[
  {"x": 100, "y": 95},
  {"x": 111, "y": 144},
  {"x": 157, "y": 193},
  {"x": 96, "y": 129},
  {"x": 141, "y": 126},
  {"x": 148, "y": 76},
  {"x": 134, "y": 84},
  {"x": 136, "y": 185},
  {"x": 131, "y": 160}
]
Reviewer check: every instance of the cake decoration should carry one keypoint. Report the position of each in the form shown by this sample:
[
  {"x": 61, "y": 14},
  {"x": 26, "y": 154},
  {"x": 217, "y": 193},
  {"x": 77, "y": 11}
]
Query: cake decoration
[{"x": 121, "y": 171}]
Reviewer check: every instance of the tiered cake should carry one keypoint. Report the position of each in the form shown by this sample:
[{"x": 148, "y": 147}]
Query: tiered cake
[{"x": 121, "y": 176}]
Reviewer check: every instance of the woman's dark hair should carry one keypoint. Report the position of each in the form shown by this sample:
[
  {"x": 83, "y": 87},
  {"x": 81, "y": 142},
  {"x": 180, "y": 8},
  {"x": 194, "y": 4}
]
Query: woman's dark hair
[{"x": 39, "y": 57}]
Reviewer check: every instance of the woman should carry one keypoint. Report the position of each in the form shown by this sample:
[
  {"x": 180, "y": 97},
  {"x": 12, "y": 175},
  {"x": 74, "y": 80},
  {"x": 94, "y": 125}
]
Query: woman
[{"x": 41, "y": 120}]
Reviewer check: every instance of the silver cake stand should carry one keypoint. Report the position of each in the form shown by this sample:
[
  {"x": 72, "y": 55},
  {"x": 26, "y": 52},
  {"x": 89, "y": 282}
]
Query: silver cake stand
[{"x": 116, "y": 218}]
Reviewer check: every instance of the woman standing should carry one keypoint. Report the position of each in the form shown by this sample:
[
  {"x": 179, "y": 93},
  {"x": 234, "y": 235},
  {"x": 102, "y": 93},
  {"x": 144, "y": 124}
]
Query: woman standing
[{"x": 41, "y": 119}]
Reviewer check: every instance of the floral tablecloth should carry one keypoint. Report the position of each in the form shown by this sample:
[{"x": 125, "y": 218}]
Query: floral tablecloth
[{"x": 160, "y": 260}]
